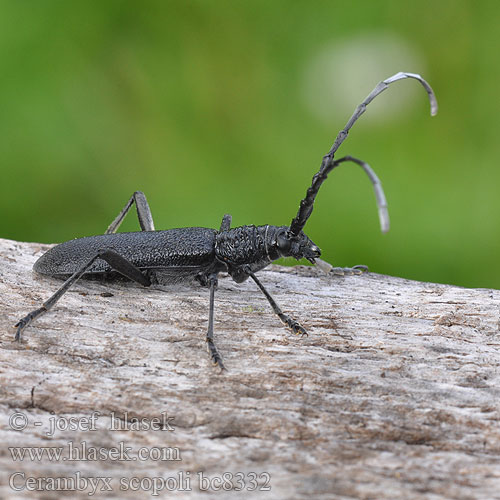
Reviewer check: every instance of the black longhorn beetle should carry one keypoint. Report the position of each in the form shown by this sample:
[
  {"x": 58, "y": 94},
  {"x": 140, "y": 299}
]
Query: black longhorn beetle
[{"x": 202, "y": 253}]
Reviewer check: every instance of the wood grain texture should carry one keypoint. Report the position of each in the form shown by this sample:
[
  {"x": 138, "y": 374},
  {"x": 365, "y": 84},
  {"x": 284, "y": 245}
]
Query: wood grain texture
[{"x": 394, "y": 393}]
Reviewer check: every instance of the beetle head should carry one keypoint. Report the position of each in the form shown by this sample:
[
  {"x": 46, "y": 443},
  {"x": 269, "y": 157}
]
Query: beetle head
[{"x": 298, "y": 246}]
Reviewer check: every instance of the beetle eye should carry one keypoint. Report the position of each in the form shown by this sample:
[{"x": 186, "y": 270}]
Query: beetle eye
[{"x": 283, "y": 242}]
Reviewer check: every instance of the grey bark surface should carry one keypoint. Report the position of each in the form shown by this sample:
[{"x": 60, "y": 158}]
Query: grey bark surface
[{"x": 394, "y": 393}]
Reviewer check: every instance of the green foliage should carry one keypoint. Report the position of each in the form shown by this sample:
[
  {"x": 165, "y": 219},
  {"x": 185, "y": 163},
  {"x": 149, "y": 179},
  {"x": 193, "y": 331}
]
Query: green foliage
[{"x": 217, "y": 106}]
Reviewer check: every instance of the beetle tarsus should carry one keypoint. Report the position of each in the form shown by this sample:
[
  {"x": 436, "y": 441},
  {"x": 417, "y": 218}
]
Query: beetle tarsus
[
  {"x": 296, "y": 327},
  {"x": 24, "y": 322},
  {"x": 215, "y": 355}
]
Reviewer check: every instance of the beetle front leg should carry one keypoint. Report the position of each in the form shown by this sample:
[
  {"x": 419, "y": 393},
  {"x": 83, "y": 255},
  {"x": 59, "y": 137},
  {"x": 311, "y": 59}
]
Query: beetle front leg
[
  {"x": 212, "y": 350},
  {"x": 290, "y": 322}
]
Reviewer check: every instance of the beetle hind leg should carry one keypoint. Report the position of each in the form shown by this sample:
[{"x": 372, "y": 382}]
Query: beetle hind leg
[
  {"x": 116, "y": 261},
  {"x": 143, "y": 213}
]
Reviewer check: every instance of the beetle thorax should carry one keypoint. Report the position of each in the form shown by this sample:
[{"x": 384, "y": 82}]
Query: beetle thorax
[
  {"x": 261, "y": 245},
  {"x": 244, "y": 245}
]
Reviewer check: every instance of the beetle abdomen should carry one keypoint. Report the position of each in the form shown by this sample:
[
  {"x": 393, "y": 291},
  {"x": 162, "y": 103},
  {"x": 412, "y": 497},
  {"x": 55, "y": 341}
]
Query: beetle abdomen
[{"x": 182, "y": 248}]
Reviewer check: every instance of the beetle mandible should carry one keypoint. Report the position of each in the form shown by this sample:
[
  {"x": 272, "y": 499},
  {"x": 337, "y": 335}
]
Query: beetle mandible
[{"x": 202, "y": 253}]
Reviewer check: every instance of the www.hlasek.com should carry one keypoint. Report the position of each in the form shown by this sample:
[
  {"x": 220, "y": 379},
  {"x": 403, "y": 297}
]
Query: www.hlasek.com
[
  {"x": 183, "y": 481},
  {"x": 72, "y": 452},
  {"x": 82, "y": 451}
]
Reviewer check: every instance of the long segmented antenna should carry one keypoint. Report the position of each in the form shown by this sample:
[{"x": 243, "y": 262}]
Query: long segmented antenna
[{"x": 328, "y": 163}]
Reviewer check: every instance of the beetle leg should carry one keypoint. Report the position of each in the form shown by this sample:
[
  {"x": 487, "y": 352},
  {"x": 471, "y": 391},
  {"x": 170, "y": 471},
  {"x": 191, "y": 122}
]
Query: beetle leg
[
  {"x": 226, "y": 223},
  {"x": 143, "y": 214},
  {"x": 290, "y": 322},
  {"x": 115, "y": 260},
  {"x": 212, "y": 350}
]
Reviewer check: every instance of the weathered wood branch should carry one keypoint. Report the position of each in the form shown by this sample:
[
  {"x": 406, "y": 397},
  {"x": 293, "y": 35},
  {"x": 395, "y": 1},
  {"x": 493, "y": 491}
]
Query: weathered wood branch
[{"x": 394, "y": 393}]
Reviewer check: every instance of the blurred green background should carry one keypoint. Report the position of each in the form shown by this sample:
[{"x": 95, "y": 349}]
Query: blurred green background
[{"x": 219, "y": 106}]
